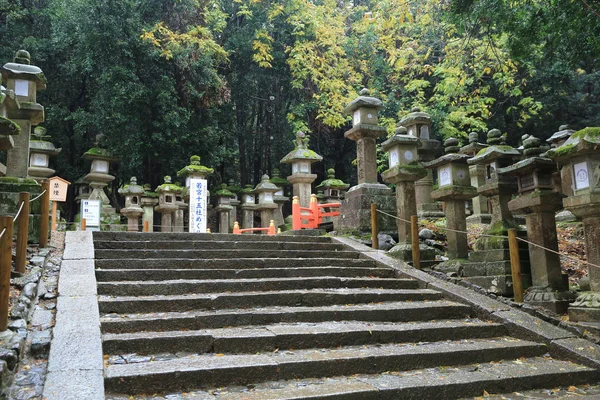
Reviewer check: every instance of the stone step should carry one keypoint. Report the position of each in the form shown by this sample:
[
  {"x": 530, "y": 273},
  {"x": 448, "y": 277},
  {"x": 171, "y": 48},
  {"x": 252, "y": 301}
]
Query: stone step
[
  {"x": 315, "y": 297},
  {"x": 219, "y": 370},
  {"x": 220, "y": 253},
  {"x": 229, "y": 263},
  {"x": 177, "y": 287},
  {"x": 108, "y": 275},
  {"x": 492, "y": 268},
  {"x": 211, "y": 244},
  {"x": 194, "y": 320},
  {"x": 436, "y": 383},
  {"x": 297, "y": 336},
  {"x": 217, "y": 237}
]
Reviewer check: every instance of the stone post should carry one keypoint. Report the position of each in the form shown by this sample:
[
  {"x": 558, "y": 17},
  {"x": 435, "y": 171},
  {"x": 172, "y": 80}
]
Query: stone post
[
  {"x": 453, "y": 189},
  {"x": 148, "y": 201},
  {"x": 580, "y": 154},
  {"x": 481, "y": 214},
  {"x": 280, "y": 198},
  {"x": 248, "y": 207},
  {"x": 418, "y": 124},
  {"x": 301, "y": 159},
  {"x": 356, "y": 207},
  {"x": 234, "y": 202},
  {"x": 167, "y": 203},
  {"x": 224, "y": 207},
  {"x": 266, "y": 204},
  {"x": 132, "y": 210}
]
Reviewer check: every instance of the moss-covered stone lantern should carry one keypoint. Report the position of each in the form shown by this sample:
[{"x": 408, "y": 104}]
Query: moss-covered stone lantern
[
  {"x": 266, "y": 202},
  {"x": 481, "y": 214},
  {"x": 562, "y": 135},
  {"x": 539, "y": 201},
  {"x": 133, "y": 197},
  {"x": 8, "y": 128},
  {"x": 490, "y": 263},
  {"x": 454, "y": 187},
  {"x": 148, "y": 201},
  {"x": 24, "y": 80},
  {"x": 194, "y": 171},
  {"x": 301, "y": 159},
  {"x": 235, "y": 201},
  {"x": 223, "y": 207},
  {"x": 40, "y": 151},
  {"x": 167, "y": 203},
  {"x": 581, "y": 153},
  {"x": 279, "y": 198},
  {"x": 403, "y": 172},
  {"x": 248, "y": 206},
  {"x": 333, "y": 188},
  {"x": 418, "y": 124}
]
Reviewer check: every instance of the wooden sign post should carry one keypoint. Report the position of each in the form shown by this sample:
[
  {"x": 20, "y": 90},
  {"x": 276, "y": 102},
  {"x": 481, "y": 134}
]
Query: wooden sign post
[{"x": 58, "y": 192}]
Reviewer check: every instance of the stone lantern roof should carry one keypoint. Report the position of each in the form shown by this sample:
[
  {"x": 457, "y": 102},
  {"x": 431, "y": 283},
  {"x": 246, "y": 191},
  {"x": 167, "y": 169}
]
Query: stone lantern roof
[
  {"x": 132, "y": 188},
  {"x": 40, "y": 144},
  {"x": 564, "y": 132},
  {"x": 451, "y": 149},
  {"x": 98, "y": 153},
  {"x": 474, "y": 146},
  {"x": 364, "y": 100},
  {"x": 416, "y": 116},
  {"x": 581, "y": 142},
  {"x": 249, "y": 189},
  {"x": 265, "y": 185},
  {"x": 194, "y": 168},
  {"x": 167, "y": 186},
  {"x": 224, "y": 191},
  {"x": 301, "y": 151},
  {"x": 9, "y": 103},
  {"x": 332, "y": 183},
  {"x": 400, "y": 137},
  {"x": 497, "y": 149},
  {"x": 22, "y": 68},
  {"x": 278, "y": 180},
  {"x": 233, "y": 187}
]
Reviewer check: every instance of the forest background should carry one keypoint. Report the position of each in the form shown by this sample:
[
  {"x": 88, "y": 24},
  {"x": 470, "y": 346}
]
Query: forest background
[{"x": 233, "y": 80}]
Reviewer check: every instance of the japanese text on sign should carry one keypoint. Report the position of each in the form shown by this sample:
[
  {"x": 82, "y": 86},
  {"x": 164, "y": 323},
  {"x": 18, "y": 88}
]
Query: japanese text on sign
[
  {"x": 90, "y": 210},
  {"x": 198, "y": 197}
]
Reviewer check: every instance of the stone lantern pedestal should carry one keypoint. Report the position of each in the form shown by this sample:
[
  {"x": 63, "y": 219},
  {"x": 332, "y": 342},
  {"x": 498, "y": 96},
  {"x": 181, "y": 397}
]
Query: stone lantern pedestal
[
  {"x": 167, "y": 203},
  {"x": 301, "y": 159},
  {"x": 148, "y": 201},
  {"x": 418, "y": 124},
  {"x": 539, "y": 202},
  {"x": 355, "y": 211},
  {"x": 132, "y": 210},
  {"x": 481, "y": 213},
  {"x": 224, "y": 207},
  {"x": 279, "y": 198},
  {"x": 489, "y": 265},
  {"x": 234, "y": 202},
  {"x": 454, "y": 187},
  {"x": 248, "y": 207},
  {"x": 403, "y": 172},
  {"x": 266, "y": 204},
  {"x": 581, "y": 152}
]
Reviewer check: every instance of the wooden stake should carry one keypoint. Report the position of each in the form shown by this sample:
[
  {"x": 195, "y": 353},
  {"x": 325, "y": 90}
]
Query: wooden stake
[
  {"x": 414, "y": 233},
  {"x": 5, "y": 261},
  {"x": 45, "y": 199},
  {"x": 22, "y": 233},
  {"x": 54, "y": 205},
  {"x": 146, "y": 226},
  {"x": 515, "y": 265},
  {"x": 374, "y": 227},
  {"x": 83, "y": 224}
]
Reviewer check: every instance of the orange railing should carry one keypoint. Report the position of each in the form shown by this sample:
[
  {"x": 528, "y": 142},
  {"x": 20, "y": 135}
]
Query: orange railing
[
  {"x": 313, "y": 215},
  {"x": 270, "y": 230}
]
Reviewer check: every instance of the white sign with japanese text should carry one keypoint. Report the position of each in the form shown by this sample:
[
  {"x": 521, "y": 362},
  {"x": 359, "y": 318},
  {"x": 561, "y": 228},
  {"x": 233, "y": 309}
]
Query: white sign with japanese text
[
  {"x": 90, "y": 210},
  {"x": 198, "y": 198}
]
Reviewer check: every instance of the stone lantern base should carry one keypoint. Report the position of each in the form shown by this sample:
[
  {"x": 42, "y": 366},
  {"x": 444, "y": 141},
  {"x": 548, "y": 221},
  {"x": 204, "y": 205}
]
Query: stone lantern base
[
  {"x": 355, "y": 211},
  {"x": 9, "y": 201},
  {"x": 585, "y": 308}
]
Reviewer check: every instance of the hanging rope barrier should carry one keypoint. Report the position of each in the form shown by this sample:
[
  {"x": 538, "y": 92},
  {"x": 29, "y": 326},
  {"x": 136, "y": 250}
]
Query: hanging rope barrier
[
  {"x": 16, "y": 217},
  {"x": 35, "y": 198}
]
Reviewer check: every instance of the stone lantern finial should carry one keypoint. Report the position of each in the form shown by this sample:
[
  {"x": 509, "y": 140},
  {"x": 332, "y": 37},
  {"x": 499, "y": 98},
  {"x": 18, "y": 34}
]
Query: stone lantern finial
[
  {"x": 451, "y": 146},
  {"x": 494, "y": 137},
  {"x": 22, "y": 57},
  {"x": 473, "y": 137},
  {"x": 532, "y": 146},
  {"x": 167, "y": 179},
  {"x": 365, "y": 92}
]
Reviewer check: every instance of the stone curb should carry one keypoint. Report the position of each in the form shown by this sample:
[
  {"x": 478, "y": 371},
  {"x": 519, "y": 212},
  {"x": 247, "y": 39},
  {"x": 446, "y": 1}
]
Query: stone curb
[
  {"x": 75, "y": 366},
  {"x": 561, "y": 343}
]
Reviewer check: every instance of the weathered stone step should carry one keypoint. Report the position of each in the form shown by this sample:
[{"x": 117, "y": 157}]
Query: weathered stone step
[
  {"x": 222, "y": 254},
  {"x": 175, "y": 287},
  {"x": 217, "y": 237},
  {"x": 223, "y": 370},
  {"x": 229, "y": 263},
  {"x": 111, "y": 275},
  {"x": 439, "y": 383},
  {"x": 296, "y": 336},
  {"x": 211, "y": 244},
  {"x": 315, "y": 297},
  {"x": 376, "y": 312}
]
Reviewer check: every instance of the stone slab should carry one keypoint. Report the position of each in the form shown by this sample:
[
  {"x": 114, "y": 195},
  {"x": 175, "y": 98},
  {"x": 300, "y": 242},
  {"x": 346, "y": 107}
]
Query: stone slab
[
  {"x": 74, "y": 385},
  {"x": 76, "y": 267},
  {"x": 523, "y": 325},
  {"x": 76, "y": 285},
  {"x": 577, "y": 349},
  {"x": 78, "y": 245}
]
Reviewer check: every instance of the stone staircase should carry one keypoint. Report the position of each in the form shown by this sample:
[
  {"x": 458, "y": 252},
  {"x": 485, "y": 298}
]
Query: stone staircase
[{"x": 258, "y": 317}]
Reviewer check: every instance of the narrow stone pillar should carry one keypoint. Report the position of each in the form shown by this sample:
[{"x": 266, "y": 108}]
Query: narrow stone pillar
[
  {"x": 149, "y": 200},
  {"x": 481, "y": 212},
  {"x": 266, "y": 204},
  {"x": 248, "y": 207},
  {"x": 223, "y": 207}
]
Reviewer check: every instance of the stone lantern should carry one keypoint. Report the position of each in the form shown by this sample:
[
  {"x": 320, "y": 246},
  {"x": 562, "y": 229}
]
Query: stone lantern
[
  {"x": 356, "y": 208},
  {"x": 279, "y": 198},
  {"x": 99, "y": 178},
  {"x": 148, "y": 201},
  {"x": 418, "y": 124},
  {"x": 539, "y": 201},
  {"x": 301, "y": 159},
  {"x": 332, "y": 188},
  {"x": 565, "y": 174},
  {"x": 266, "y": 201},
  {"x": 235, "y": 201},
  {"x": 581, "y": 153},
  {"x": 248, "y": 206},
  {"x": 558, "y": 138},
  {"x": 133, "y": 211},
  {"x": 454, "y": 187},
  {"x": 40, "y": 151},
  {"x": 224, "y": 207},
  {"x": 167, "y": 203},
  {"x": 24, "y": 80},
  {"x": 403, "y": 172},
  {"x": 489, "y": 266},
  {"x": 8, "y": 128},
  {"x": 179, "y": 216},
  {"x": 481, "y": 213}
]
